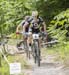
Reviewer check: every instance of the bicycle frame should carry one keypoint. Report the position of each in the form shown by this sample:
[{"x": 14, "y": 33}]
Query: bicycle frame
[{"x": 36, "y": 51}]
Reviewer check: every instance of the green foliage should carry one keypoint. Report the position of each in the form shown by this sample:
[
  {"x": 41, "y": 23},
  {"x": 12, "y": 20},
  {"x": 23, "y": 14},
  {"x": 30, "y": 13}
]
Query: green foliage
[
  {"x": 50, "y": 8},
  {"x": 59, "y": 26},
  {"x": 11, "y": 13}
]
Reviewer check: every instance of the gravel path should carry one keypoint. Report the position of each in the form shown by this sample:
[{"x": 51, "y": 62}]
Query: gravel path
[{"x": 48, "y": 66}]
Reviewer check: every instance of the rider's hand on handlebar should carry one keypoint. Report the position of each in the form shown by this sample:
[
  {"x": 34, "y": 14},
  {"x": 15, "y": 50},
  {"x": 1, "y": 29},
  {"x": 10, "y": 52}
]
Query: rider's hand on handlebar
[{"x": 17, "y": 32}]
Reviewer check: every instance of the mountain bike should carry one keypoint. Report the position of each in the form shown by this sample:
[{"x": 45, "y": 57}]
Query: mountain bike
[
  {"x": 36, "y": 49},
  {"x": 23, "y": 44}
]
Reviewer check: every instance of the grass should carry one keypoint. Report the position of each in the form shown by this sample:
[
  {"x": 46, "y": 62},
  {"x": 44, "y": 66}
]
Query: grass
[
  {"x": 4, "y": 69},
  {"x": 61, "y": 51}
]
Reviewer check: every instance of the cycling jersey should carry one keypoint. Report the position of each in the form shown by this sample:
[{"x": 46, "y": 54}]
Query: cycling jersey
[
  {"x": 22, "y": 23},
  {"x": 35, "y": 24}
]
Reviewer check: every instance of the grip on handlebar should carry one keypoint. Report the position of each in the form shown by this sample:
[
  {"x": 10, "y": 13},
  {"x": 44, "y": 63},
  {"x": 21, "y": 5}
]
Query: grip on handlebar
[{"x": 17, "y": 33}]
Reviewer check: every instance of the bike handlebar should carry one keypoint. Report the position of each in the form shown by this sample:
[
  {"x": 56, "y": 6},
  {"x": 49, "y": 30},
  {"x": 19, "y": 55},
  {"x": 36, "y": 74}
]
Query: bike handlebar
[{"x": 23, "y": 33}]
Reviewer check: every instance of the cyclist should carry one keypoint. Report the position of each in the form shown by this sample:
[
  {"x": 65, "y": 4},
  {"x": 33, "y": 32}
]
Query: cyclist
[
  {"x": 21, "y": 26},
  {"x": 35, "y": 22}
]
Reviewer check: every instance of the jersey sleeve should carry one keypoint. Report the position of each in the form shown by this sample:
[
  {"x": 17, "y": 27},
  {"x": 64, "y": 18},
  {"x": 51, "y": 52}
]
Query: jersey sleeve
[
  {"x": 41, "y": 20},
  {"x": 29, "y": 20},
  {"x": 22, "y": 23}
]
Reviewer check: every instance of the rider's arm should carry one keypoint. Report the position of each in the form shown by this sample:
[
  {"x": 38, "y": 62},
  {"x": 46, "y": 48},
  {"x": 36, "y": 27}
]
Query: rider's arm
[
  {"x": 18, "y": 27},
  {"x": 24, "y": 26},
  {"x": 43, "y": 23},
  {"x": 44, "y": 26}
]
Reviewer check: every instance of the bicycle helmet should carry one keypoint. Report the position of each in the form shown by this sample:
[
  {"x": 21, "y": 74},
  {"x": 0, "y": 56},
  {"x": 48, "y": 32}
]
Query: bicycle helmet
[{"x": 34, "y": 13}]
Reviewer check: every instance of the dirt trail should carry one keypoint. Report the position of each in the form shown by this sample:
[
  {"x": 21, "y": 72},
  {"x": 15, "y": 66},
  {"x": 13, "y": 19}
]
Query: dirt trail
[{"x": 48, "y": 66}]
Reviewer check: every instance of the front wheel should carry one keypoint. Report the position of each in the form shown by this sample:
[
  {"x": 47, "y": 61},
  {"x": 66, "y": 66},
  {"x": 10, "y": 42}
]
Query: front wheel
[
  {"x": 20, "y": 45},
  {"x": 37, "y": 52}
]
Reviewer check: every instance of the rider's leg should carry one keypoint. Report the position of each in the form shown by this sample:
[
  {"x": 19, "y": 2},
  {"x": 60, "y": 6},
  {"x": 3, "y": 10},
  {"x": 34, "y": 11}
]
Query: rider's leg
[
  {"x": 21, "y": 40},
  {"x": 29, "y": 40}
]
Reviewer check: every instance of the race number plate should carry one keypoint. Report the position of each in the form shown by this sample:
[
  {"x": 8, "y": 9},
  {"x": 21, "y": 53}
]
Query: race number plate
[{"x": 35, "y": 36}]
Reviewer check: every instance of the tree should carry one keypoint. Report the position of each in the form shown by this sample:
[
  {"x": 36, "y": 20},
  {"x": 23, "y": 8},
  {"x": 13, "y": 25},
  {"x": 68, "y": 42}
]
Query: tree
[{"x": 59, "y": 26}]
